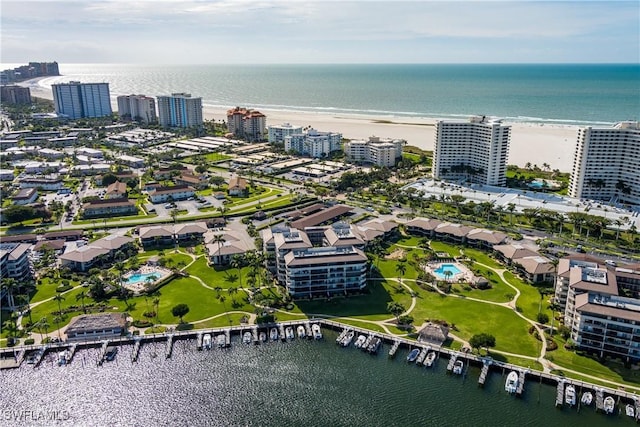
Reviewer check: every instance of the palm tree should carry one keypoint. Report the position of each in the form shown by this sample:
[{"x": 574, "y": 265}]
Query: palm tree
[
  {"x": 58, "y": 320},
  {"x": 11, "y": 328},
  {"x": 220, "y": 240},
  {"x": 80, "y": 297},
  {"x": 448, "y": 274},
  {"x": 59, "y": 298},
  {"x": 237, "y": 261},
  {"x": 401, "y": 269},
  {"x": 10, "y": 285},
  {"x": 43, "y": 324},
  {"x": 511, "y": 207}
]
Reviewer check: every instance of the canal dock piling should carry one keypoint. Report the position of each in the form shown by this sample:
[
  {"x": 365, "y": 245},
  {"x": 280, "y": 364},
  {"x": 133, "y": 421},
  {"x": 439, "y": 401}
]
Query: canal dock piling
[
  {"x": 560, "y": 393},
  {"x": 169, "y": 347}
]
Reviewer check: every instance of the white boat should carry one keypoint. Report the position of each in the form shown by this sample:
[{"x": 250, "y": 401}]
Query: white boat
[
  {"x": 62, "y": 358},
  {"x": 273, "y": 334},
  {"x": 630, "y": 410},
  {"x": 346, "y": 341},
  {"x": 221, "y": 340},
  {"x": 301, "y": 332},
  {"x": 110, "y": 355},
  {"x": 431, "y": 357},
  {"x": 206, "y": 342},
  {"x": 413, "y": 355},
  {"x": 587, "y": 398},
  {"x": 288, "y": 332},
  {"x": 246, "y": 337},
  {"x": 511, "y": 385},
  {"x": 609, "y": 405},
  {"x": 341, "y": 336},
  {"x": 374, "y": 346},
  {"x": 570, "y": 395},
  {"x": 263, "y": 336},
  {"x": 317, "y": 333},
  {"x": 458, "y": 366},
  {"x": 360, "y": 341}
]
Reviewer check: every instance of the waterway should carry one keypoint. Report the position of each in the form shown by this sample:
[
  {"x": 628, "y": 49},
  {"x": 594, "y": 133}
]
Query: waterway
[{"x": 300, "y": 383}]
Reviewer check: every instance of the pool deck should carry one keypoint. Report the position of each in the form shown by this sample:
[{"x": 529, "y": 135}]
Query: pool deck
[{"x": 138, "y": 287}]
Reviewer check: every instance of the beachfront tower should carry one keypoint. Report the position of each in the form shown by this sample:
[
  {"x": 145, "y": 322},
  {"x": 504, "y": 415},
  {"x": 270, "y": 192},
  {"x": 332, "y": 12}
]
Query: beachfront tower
[
  {"x": 179, "y": 110},
  {"x": 607, "y": 163},
  {"x": 140, "y": 108},
  {"x": 277, "y": 133},
  {"x": 313, "y": 143},
  {"x": 82, "y": 100},
  {"x": 475, "y": 150},
  {"x": 248, "y": 124}
]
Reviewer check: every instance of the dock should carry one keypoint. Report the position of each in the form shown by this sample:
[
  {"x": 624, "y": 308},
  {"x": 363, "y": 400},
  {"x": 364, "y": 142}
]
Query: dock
[
  {"x": 283, "y": 337},
  {"x": 227, "y": 337},
  {"x": 421, "y": 356},
  {"x": 72, "y": 352},
  {"x": 136, "y": 350},
  {"x": 13, "y": 362},
  {"x": 560, "y": 393},
  {"x": 486, "y": 364},
  {"x": 636, "y": 404},
  {"x": 599, "y": 399},
  {"x": 169, "y": 347},
  {"x": 394, "y": 348},
  {"x": 452, "y": 361},
  {"x": 521, "y": 378},
  {"x": 199, "y": 341},
  {"x": 103, "y": 352},
  {"x": 254, "y": 333},
  {"x": 307, "y": 327}
]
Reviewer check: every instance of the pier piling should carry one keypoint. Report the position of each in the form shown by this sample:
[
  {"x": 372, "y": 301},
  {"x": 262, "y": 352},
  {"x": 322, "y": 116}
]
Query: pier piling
[
  {"x": 169, "y": 347},
  {"x": 394, "y": 348},
  {"x": 486, "y": 364}
]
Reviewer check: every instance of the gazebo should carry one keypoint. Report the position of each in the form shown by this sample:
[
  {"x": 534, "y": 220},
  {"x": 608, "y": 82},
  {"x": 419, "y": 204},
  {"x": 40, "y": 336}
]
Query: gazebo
[{"x": 433, "y": 333}]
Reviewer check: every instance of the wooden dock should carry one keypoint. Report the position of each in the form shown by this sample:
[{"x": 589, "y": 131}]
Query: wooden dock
[
  {"x": 560, "y": 393},
  {"x": 103, "y": 352},
  {"x": 521, "y": 377},
  {"x": 169, "y": 347},
  {"x": 599, "y": 399},
  {"x": 136, "y": 350},
  {"x": 72, "y": 352},
  {"x": 452, "y": 361},
  {"x": 394, "y": 348},
  {"x": 199, "y": 341},
  {"x": 254, "y": 333},
  {"x": 421, "y": 356},
  {"x": 486, "y": 364},
  {"x": 307, "y": 327},
  {"x": 227, "y": 337},
  {"x": 283, "y": 337}
]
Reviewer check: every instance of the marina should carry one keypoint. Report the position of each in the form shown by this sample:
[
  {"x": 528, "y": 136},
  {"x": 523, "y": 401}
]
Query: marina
[{"x": 605, "y": 398}]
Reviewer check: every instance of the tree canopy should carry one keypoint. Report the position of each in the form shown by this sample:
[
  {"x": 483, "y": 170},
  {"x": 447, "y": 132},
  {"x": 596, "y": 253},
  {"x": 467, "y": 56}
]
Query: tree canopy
[
  {"x": 180, "y": 311},
  {"x": 482, "y": 340}
]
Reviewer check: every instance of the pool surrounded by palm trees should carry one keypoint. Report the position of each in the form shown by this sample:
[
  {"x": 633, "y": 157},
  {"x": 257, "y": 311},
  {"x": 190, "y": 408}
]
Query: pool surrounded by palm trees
[
  {"x": 141, "y": 277},
  {"x": 446, "y": 271},
  {"x": 139, "y": 280}
]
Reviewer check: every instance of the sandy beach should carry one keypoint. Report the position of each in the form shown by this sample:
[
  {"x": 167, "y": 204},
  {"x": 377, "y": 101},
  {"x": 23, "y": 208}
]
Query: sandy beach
[{"x": 530, "y": 142}]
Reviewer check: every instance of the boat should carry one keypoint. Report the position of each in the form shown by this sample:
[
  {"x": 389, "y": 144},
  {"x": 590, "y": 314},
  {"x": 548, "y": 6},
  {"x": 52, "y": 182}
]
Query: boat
[
  {"x": 62, "y": 358},
  {"x": 511, "y": 385},
  {"x": 263, "y": 336},
  {"x": 346, "y": 341},
  {"x": 317, "y": 333},
  {"x": 341, "y": 337},
  {"x": 288, "y": 332},
  {"x": 273, "y": 334},
  {"x": 206, "y": 342},
  {"x": 374, "y": 346},
  {"x": 301, "y": 332},
  {"x": 587, "y": 398},
  {"x": 246, "y": 337},
  {"x": 630, "y": 410},
  {"x": 413, "y": 355},
  {"x": 458, "y": 366},
  {"x": 431, "y": 357},
  {"x": 32, "y": 358},
  {"x": 110, "y": 355},
  {"x": 609, "y": 405},
  {"x": 570, "y": 395},
  {"x": 221, "y": 340},
  {"x": 360, "y": 341}
]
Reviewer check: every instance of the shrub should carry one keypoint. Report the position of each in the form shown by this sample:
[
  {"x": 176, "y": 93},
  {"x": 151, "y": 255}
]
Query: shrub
[
  {"x": 141, "y": 323},
  {"x": 63, "y": 288},
  {"x": 29, "y": 341},
  {"x": 543, "y": 318}
]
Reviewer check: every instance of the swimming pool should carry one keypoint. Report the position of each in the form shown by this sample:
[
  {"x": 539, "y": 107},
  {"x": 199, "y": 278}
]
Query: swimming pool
[
  {"x": 440, "y": 272},
  {"x": 141, "y": 278}
]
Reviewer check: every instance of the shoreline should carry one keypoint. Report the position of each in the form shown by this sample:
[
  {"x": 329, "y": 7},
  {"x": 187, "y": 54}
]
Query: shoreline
[{"x": 535, "y": 143}]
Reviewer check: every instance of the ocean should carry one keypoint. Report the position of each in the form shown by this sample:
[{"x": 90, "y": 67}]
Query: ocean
[
  {"x": 559, "y": 94},
  {"x": 299, "y": 383}
]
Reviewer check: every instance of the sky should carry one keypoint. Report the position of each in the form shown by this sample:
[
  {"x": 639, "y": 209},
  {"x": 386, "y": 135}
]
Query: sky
[{"x": 260, "y": 31}]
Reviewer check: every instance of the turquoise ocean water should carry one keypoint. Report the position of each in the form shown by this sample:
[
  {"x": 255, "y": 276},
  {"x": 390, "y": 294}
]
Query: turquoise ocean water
[{"x": 570, "y": 94}]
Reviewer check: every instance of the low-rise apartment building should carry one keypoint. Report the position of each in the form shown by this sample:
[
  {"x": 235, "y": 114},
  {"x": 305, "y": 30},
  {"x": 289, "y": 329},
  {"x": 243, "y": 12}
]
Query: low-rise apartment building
[
  {"x": 165, "y": 194},
  {"x": 375, "y": 150}
]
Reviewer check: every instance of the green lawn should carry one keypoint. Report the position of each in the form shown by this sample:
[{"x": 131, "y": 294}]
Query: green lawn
[
  {"x": 47, "y": 289},
  {"x": 369, "y": 326},
  {"x": 224, "y": 277},
  {"x": 452, "y": 250},
  {"x": 529, "y": 301},
  {"x": 218, "y": 322}
]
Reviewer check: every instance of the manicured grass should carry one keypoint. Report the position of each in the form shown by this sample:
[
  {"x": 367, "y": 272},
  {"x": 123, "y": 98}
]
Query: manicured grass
[
  {"x": 482, "y": 258},
  {"x": 218, "y": 276},
  {"x": 220, "y": 321},
  {"x": 471, "y": 317},
  {"x": 529, "y": 301},
  {"x": 284, "y": 317},
  {"x": 47, "y": 289},
  {"x": 99, "y": 222},
  {"x": 369, "y": 326},
  {"x": 520, "y": 361},
  {"x": 372, "y": 306},
  {"x": 452, "y": 250},
  {"x": 498, "y": 292}
]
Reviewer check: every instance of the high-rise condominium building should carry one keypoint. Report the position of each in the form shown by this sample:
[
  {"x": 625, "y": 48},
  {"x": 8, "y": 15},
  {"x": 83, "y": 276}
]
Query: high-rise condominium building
[
  {"x": 377, "y": 151},
  {"x": 12, "y": 95},
  {"x": 606, "y": 165},
  {"x": 277, "y": 133},
  {"x": 82, "y": 100},
  {"x": 140, "y": 108},
  {"x": 313, "y": 143},
  {"x": 179, "y": 110},
  {"x": 248, "y": 124},
  {"x": 475, "y": 150}
]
